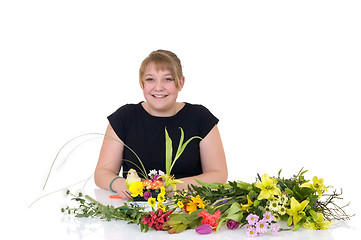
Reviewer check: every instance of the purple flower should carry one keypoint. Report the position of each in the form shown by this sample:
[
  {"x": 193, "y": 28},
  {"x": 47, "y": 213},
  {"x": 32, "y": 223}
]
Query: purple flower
[
  {"x": 147, "y": 195},
  {"x": 204, "y": 229},
  {"x": 224, "y": 201},
  {"x": 231, "y": 224},
  {"x": 155, "y": 177}
]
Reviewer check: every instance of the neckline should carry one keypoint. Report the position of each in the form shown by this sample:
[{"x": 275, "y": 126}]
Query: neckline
[{"x": 160, "y": 117}]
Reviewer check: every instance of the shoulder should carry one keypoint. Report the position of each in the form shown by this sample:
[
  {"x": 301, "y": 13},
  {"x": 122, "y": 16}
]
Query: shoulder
[
  {"x": 202, "y": 117},
  {"x": 122, "y": 118},
  {"x": 125, "y": 110},
  {"x": 199, "y": 110}
]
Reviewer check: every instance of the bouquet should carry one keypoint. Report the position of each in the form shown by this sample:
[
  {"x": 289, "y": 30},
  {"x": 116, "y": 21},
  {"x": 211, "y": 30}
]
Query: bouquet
[{"x": 257, "y": 206}]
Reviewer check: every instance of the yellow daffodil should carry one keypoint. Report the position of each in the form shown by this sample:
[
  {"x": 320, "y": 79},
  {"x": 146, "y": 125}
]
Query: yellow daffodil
[
  {"x": 268, "y": 187},
  {"x": 316, "y": 185},
  {"x": 296, "y": 210},
  {"x": 245, "y": 207},
  {"x": 136, "y": 189},
  {"x": 180, "y": 204},
  {"x": 152, "y": 201},
  {"x": 318, "y": 223},
  {"x": 161, "y": 197}
]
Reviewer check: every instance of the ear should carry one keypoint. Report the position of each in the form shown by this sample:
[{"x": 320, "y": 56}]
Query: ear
[
  {"x": 141, "y": 84},
  {"x": 182, "y": 80}
]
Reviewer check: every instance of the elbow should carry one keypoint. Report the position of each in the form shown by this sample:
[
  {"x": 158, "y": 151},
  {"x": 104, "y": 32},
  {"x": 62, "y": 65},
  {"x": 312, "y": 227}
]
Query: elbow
[
  {"x": 97, "y": 180},
  {"x": 224, "y": 177}
]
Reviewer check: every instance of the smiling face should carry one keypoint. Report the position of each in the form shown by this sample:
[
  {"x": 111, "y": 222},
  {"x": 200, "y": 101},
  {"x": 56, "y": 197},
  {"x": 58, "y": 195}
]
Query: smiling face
[{"x": 160, "y": 91}]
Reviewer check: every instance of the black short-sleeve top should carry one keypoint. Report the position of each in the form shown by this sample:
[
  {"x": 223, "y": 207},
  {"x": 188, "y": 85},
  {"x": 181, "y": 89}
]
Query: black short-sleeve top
[{"x": 145, "y": 135}]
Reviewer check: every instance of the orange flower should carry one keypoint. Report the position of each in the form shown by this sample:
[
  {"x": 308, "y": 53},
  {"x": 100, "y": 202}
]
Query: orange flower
[{"x": 150, "y": 184}]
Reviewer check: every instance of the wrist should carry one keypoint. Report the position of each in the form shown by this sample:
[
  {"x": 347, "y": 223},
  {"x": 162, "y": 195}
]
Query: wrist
[
  {"x": 114, "y": 183},
  {"x": 118, "y": 185}
]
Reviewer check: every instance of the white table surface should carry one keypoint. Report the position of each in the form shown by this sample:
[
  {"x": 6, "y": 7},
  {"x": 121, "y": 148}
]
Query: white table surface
[{"x": 44, "y": 220}]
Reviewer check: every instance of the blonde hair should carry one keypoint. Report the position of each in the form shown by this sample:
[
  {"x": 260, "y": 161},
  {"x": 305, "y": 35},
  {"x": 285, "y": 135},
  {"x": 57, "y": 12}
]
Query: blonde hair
[{"x": 163, "y": 59}]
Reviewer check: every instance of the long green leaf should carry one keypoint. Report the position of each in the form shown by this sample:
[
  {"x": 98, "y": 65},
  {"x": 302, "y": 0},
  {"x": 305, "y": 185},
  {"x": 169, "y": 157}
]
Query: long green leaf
[
  {"x": 168, "y": 152},
  {"x": 181, "y": 149},
  {"x": 180, "y": 142}
]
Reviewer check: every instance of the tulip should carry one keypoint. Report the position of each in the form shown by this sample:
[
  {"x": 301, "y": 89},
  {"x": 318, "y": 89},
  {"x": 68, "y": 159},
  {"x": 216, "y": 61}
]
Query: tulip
[
  {"x": 204, "y": 229},
  {"x": 231, "y": 224}
]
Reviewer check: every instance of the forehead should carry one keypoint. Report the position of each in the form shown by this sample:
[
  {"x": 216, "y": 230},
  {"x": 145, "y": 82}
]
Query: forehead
[{"x": 153, "y": 67}]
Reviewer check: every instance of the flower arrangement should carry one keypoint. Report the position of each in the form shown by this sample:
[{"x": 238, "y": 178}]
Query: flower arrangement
[
  {"x": 147, "y": 188},
  {"x": 257, "y": 206}
]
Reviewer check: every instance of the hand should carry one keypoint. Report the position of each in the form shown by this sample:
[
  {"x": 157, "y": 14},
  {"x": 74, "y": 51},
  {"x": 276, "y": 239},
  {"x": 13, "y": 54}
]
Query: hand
[{"x": 119, "y": 186}]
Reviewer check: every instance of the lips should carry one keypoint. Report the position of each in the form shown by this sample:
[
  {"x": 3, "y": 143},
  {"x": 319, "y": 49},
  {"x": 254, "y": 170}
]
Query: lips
[{"x": 159, "y": 95}]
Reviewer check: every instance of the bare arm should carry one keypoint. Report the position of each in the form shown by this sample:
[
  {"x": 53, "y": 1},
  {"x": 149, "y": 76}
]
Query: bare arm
[
  {"x": 109, "y": 164},
  {"x": 213, "y": 161}
]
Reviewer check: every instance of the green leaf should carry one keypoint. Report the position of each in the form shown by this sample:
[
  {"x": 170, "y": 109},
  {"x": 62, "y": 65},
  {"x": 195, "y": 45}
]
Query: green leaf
[
  {"x": 180, "y": 144},
  {"x": 313, "y": 214},
  {"x": 209, "y": 185},
  {"x": 300, "y": 223},
  {"x": 289, "y": 221},
  {"x": 220, "y": 224},
  {"x": 235, "y": 212},
  {"x": 181, "y": 147},
  {"x": 181, "y": 228},
  {"x": 168, "y": 152},
  {"x": 289, "y": 191}
]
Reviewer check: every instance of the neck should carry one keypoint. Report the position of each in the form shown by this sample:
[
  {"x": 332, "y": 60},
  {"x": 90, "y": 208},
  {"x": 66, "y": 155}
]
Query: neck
[{"x": 169, "y": 112}]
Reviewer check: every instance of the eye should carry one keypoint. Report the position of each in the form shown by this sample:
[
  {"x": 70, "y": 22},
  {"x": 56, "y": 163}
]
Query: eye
[
  {"x": 149, "y": 79},
  {"x": 169, "y": 79}
]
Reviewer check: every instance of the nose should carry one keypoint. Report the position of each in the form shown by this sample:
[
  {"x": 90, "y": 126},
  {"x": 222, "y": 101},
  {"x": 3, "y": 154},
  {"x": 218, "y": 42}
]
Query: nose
[{"x": 159, "y": 85}]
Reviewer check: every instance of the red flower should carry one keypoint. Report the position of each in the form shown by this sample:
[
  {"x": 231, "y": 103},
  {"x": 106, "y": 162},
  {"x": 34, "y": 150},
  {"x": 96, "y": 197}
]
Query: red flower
[
  {"x": 210, "y": 219},
  {"x": 156, "y": 220}
]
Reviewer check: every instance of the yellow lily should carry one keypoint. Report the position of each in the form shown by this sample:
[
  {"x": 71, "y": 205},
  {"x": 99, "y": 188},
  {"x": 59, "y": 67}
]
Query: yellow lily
[
  {"x": 170, "y": 181},
  {"x": 246, "y": 207},
  {"x": 316, "y": 185},
  {"x": 296, "y": 210},
  {"x": 319, "y": 224},
  {"x": 268, "y": 187}
]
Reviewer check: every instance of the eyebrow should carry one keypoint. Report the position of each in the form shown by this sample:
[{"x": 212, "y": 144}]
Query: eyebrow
[{"x": 149, "y": 74}]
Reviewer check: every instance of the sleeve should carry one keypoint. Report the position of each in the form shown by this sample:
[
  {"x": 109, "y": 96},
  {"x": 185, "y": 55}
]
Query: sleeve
[
  {"x": 118, "y": 121},
  {"x": 206, "y": 121}
]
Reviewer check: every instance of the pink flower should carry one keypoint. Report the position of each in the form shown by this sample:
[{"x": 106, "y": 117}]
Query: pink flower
[
  {"x": 262, "y": 226},
  {"x": 275, "y": 228},
  {"x": 204, "y": 229},
  {"x": 210, "y": 219},
  {"x": 252, "y": 219},
  {"x": 251, "y": 232},
  {"x": 268, "y": 217}
]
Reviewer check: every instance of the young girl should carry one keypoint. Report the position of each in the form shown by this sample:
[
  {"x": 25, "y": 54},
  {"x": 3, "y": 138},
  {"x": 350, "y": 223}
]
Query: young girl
[{"x": 142, "y": 127}]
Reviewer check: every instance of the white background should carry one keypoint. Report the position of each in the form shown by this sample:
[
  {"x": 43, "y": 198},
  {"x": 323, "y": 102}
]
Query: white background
[{"x": 283, "y": 77}]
